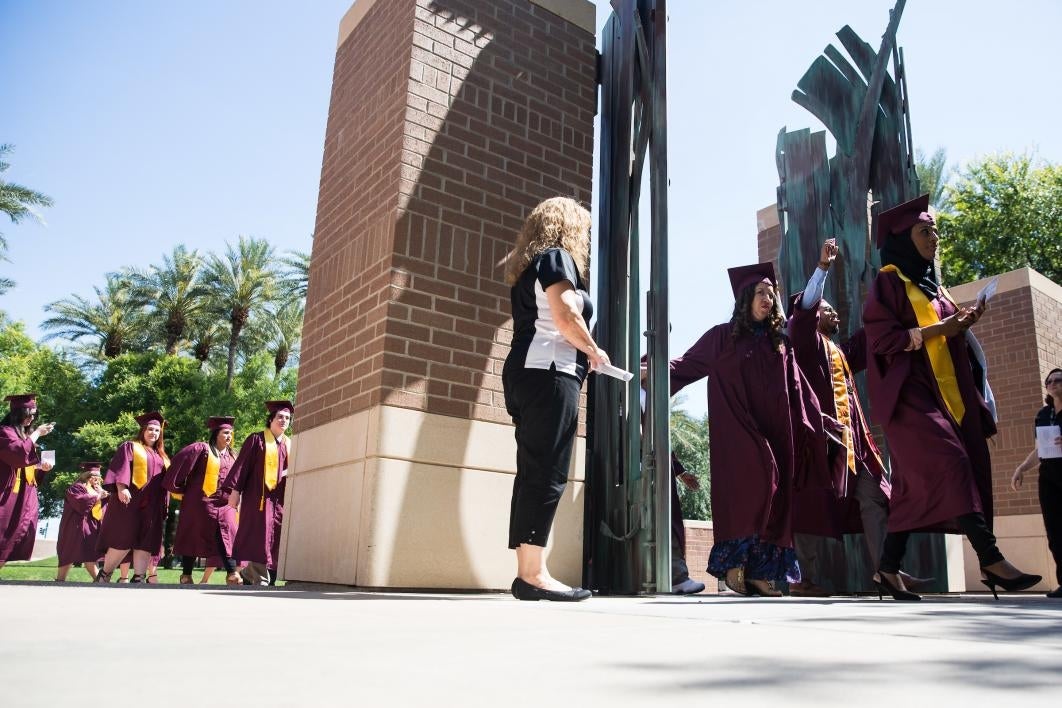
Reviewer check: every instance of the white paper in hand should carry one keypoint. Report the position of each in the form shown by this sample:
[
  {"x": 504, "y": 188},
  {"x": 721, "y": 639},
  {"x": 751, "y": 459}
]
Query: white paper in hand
[
  {"x": 48, "y": 456},
  {"x": 988, "y": 291},
  {"x": 615, "y": 372},
  {"x": 1046, "y": 447}
]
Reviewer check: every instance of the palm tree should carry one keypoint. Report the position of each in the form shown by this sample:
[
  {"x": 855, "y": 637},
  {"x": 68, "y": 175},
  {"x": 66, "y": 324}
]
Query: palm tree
[
  {"x": 173, "y": 293},
  {"x": 296, "y": 275},
  {"x": 17, "y": 202},
  {"x": 113, "y": 325},
  {"x": 206, "y": 333},
  {"x": 287, "y": 334},
  {"x": 933, "y": 174},
  {"x": 241, "y": 285}
]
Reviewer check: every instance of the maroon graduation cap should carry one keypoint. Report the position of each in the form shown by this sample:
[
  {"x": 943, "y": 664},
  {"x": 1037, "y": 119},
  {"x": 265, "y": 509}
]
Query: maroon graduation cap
[
  {"x": 91, "y": 466},
  {"x": 220, "y": 422},
  {"x": 274, "y": 406},
  {"x": 22, "y": 400},
  {"x": 900, "y": 218},
  {"x": 744, "y": 276},
  {"x": 151, "y": 417}
]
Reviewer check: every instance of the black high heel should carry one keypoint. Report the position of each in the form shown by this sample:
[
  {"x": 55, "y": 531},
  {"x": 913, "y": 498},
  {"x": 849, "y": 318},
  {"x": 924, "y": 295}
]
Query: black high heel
[
  {"x": 1023, "y": 582},
  {"x": 884, "y": 585}
]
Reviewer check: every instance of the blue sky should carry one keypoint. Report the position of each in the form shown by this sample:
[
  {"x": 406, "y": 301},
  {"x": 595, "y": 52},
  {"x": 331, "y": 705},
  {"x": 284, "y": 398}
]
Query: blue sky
[{"x": 153, "y": 124}]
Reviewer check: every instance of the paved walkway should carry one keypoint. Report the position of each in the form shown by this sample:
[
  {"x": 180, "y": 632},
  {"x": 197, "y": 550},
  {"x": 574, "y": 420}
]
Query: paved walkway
[{"x": 315, "y": 646}]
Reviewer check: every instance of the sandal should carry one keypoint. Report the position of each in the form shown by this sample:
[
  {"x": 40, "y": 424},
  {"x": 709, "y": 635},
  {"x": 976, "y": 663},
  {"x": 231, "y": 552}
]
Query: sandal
[
  {"x": 153, "y": 579},
  {"x": 137, "y": 578},
  {"x": 103, "y": 576},
  {"x": 233, "y": 578},
  {"x": 735, "y": 580},
  {"x": 185, "y": 580}
]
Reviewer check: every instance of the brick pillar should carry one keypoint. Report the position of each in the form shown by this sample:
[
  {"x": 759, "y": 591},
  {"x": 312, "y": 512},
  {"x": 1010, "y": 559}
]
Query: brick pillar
[
  {"x": 449, "y": 120},
  {"x": 1021, "y": 334}
]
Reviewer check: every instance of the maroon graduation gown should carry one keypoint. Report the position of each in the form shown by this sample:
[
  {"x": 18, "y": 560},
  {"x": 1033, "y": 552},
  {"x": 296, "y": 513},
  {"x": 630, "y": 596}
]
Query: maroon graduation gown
[
  {"x": 202, "y": 517},
  {"x": 940, "y": 470},
  {"x": 18, "y": 511},
  {"x": 78, "y": 530},
  {"x": 261, "y": 510},
  {"x": 137, "y": 525},
  {"x": 766, "y": 432},
  {"x": 821, "y": 512}
]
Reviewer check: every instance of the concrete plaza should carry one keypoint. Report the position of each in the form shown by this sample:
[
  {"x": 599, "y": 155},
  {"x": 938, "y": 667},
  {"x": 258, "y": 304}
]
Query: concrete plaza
[{"x": 324, "y": 646}]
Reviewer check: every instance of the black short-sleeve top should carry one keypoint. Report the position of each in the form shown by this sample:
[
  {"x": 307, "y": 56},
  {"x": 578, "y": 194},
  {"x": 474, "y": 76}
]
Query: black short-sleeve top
[
  {"x": 1048, "y": 416},
  {"x": 537, "y": 343}
]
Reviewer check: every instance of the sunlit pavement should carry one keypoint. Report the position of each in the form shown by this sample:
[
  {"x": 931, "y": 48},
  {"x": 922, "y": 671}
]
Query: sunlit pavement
[{"x": 319, "y": 645}]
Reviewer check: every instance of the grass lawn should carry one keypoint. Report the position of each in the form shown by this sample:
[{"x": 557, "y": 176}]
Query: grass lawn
[{"x": 44, "y": 569}]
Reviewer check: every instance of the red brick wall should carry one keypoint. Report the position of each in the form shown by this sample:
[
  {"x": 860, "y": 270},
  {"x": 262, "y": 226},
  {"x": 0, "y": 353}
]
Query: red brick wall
[
  {"x": 493, "y": 113},
  {"x": 699, "y": 542},
  {"x": 1007, "y": 333}
]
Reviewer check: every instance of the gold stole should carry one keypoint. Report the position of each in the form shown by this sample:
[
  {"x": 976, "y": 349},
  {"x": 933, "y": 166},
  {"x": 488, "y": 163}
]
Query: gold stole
[
  {"x": 31, "y": 478},
  {"x": 97, "y": 510},
  {"x": 140, "y": 465},
  {"x": 213, "y": 470},
  {"x": 271, "y": 466},
  {"x": 839, "y": 370},
  {"x": 936, "y": 347}
]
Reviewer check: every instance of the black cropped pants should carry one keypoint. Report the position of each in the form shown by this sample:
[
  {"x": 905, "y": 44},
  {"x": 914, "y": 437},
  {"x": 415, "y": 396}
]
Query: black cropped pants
[{"x": 544, "y": 405}]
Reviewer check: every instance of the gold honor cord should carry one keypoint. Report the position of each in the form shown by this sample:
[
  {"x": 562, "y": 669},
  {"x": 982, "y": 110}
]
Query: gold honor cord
[
  {"x": 936, "y": 347},
  {"x": 839, "y": 370},
  {"x": 271, "y": 466},
  {"x": 31, "y": 478}
]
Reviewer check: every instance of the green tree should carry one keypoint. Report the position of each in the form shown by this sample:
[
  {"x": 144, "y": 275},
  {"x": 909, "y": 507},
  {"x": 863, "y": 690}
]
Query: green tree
[
  {"x": 111, "y": 326},
  {"x": 295, "y": 277},
  {"x": 1006, "y": 213},
  {"x": 173, "y": 295},
  {"x": 689, "y": 441},
  {"x": 933, "y": 174},
  {"x": 18, "y": 202},
  {"x": 242, "y": 286}
]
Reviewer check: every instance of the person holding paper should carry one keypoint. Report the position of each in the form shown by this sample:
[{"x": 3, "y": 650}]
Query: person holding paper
[
  {"x": 206, "y": 526},
  {"x": 258, "y": 479},
  {"x": 21, "y": 470},
  {"x": 767, "y": 431},
  {"x": 924, "y": 394},
  {"x": 79, "y": 527},
  {"x": 137, "y": 510},
  {"x": 551, "y": 352},
  {"x": 1048, "y": 451}
]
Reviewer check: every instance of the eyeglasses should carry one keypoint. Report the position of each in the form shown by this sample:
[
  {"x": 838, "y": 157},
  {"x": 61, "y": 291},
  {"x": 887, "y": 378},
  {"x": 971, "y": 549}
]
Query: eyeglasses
[{"x": 1052, "y": 382}]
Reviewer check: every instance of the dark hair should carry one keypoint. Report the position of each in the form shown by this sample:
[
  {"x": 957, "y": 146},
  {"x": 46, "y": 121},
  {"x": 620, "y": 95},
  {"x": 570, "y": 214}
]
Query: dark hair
[
  {"x": 271, "y": 416},
  {"x": 15, "y": 417},
  {"x": 745, "y": 325},
  {"x": 1048, "y": 399},
  {"x": 160, "y": 444}
]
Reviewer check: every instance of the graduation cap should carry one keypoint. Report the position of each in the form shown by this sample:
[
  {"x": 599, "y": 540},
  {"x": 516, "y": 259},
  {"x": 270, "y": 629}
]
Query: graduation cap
[
  {"x": 744, "y": 276},
  {"x": 22, "y": 400},
  {"x": 152, "y": 417},
  {"x": 274, "y": 406},
  {"x": 900, "y": 218},
  {"x": 220, "y": 422},
  {"x": 91, "y": 466}
]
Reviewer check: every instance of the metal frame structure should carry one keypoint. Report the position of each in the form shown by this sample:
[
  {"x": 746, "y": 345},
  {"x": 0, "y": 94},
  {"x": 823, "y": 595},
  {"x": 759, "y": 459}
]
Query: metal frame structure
[{"x": 627, "y": 544}]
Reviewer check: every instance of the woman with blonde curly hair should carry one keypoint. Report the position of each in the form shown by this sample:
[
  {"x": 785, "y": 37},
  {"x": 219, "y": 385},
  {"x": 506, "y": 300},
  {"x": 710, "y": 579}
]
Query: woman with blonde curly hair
[{"x": 552, "y": 351}]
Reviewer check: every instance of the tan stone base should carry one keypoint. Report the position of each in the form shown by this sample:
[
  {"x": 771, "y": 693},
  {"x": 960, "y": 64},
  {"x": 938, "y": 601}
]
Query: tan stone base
[
  {"x": 397, "y": 498},
  {"x": 1023, "y": 540}
]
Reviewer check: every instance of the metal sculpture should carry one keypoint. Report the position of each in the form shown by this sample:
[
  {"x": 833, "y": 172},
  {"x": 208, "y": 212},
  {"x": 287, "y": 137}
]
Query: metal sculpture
[
  {"x": 867, "y": 113},
  {"x": 627, "y": 547}
]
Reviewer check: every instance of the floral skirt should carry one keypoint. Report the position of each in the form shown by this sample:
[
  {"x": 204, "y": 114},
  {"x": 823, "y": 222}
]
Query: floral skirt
[{"x": 761, "y": 560}]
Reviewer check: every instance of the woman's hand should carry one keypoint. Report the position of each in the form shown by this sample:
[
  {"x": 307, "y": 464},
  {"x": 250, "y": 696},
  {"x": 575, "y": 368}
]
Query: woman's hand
[
  {"x": 828, "y": 253},
  {"x": 597, "y": 357},
  {"x": 124, "y": 495},
  {"x": 43, "y": 430},
  {"x": 950, "y": 326},
  {"x": 234, "y": 499},
  {"x": 46, "y": 466},
  {"x": 1017, "y": 478},
  {"x": 690, "y": 481}
]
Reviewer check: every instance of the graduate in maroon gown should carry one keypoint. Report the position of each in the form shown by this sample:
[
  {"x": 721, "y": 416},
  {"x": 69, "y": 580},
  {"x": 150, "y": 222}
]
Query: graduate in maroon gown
[
  {"x": 137, "y": 511},
  {"x": 206, "y": 526},
  {"x": 79, "y": 528},
  {"x": 20, "y": 472},
  {"x": 924, "y": 394},
  {"x": 257, "y": 478},
  {"x": 859, "y": 499},
  {"x": 767, "y": 432}
]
